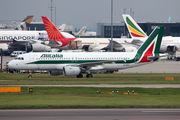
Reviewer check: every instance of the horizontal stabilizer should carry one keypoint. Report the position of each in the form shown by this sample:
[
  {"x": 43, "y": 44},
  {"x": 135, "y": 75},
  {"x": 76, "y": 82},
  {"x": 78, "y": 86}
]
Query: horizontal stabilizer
[
  {"x": 53, "y": 42},
  {"x": 156, "y": 57}
]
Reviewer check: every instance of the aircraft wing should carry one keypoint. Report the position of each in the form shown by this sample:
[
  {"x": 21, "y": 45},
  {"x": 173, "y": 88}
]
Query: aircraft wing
[
  {"x": 97, "y": 47},
  {"x": 121, "y": 44},
  {"x": 97, "y": 63},
  {"x": 116, "y": 45},
  {"x": 89, "y": 65},
  {"x": 20, "y": 44},
  {"x": 23, "y": 42},
  {"x": 137, "y": 42}
]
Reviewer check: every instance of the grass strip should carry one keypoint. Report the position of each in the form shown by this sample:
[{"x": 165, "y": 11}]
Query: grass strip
[
  {"x": 127, "y": 78},
  {"x": 82, "y": 97}
]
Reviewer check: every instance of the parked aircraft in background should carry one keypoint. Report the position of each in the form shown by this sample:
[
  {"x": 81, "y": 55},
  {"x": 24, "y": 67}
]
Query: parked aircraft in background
[
  {"x": 62, "y": 27},
  {"x": 25, "y": 23},
  {"x": 58, "y": 40},
  {"x": 169, "y": 43},
  {"x": 81, "y": 31},
  {"x": 74, "y": 64},
  {"x": 25, "y": 40}
]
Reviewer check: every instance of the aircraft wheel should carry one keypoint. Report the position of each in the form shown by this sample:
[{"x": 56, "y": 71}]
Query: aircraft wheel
[
  {"x": 123, "y": 50},
  {"x": 79, "y": 76},
  {"x": 30, "y": 76},
  {"x": 89, "y": 76}
]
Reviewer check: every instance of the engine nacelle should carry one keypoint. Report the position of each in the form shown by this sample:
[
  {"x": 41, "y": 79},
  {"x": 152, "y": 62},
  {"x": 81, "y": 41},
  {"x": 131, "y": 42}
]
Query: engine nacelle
[
  {"x": 55, "y": 72},
  {"x": 28, "y": 47},
  {"x": 129, "y": 49},
  {"x": 40, "y": 48},
  {"x": 71, "y": 71}
]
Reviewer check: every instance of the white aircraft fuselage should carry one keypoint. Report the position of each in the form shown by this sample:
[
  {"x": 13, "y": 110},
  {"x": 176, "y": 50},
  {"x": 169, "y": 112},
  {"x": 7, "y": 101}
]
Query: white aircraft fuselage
[
  {"x": 166, "y": 41},
  {"x": 56, "y": 60},
  {"x": 5, "y": 36}
]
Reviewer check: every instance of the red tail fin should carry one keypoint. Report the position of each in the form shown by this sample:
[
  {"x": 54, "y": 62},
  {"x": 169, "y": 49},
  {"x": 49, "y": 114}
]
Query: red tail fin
[{"x": 52, "y": 31}]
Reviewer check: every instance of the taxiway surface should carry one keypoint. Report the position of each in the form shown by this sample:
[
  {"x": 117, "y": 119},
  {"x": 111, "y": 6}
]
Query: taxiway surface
[{"x": 90, "y": 114}]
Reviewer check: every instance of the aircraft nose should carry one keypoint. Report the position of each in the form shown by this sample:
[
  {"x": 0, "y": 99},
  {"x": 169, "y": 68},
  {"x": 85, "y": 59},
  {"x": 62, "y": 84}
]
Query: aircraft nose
[{"x": 11, "y": 65}]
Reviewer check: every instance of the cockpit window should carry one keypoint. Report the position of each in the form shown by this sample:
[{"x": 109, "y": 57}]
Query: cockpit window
[{"x": 18, "y": 58}]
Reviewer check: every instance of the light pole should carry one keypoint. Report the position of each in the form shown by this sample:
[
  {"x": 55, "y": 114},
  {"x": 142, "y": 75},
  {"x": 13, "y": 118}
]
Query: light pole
[
  {"x": 133, "y": 14},
  {"x": 51, "y": 10},
  {"x": 124, "y": 22},
  {"x": 130, "y": 10},
  {"x": 51, "y": 7},
  {"x": 124, "y": 10},
  {"x": 1, "y": 60},
  {"x": 111, "y": 25}
]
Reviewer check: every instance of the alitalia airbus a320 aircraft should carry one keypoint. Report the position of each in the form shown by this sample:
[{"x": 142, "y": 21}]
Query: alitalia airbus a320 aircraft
[{"x": 74, "y": 64}]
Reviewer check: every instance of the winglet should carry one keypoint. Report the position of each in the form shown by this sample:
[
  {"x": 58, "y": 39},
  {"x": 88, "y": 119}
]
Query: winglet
[
  {"x": 133, "y": 28},
  {"x": 53, "y": 32}
]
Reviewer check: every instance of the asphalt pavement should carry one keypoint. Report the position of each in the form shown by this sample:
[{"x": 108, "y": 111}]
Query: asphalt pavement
[{"x": 91, "y": 114}]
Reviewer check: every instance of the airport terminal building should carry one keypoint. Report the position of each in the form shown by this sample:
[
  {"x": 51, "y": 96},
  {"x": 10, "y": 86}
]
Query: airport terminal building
[{"x": 120, "y": 29}]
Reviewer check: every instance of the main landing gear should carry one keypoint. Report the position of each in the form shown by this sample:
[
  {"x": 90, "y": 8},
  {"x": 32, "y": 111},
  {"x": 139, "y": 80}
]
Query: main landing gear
[
  {"x": 79, "y": 76},
  {"x": 87, "y": 76}
]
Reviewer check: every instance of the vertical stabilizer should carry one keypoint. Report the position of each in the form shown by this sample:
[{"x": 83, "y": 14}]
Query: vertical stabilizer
[
  {"x": 133, "y": 28},
  {"x": 151, "y": 46},
  {"x": 81, "y": 31},
  {"x": 25, "y": 23},
  {"x": 62, "y": 27},
  {"x": 52, "y": 31}
]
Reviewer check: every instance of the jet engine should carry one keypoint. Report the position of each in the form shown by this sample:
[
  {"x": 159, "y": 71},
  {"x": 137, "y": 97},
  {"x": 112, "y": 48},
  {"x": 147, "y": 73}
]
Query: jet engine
[
  {"x": 55, "y": 72},
  {"x": 28, "y": 47},
  {"x": 71, "y": 71},
  {"x": 40, "y": 48},
  {"x": 129, "y": 49}
]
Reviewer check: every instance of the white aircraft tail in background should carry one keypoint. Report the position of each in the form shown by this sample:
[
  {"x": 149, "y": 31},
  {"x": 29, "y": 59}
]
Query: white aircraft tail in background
[
  {"x": 169, "y": 44},
  {"x": 62, "y": 27},
  {"x": 133, "y": 28}
]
